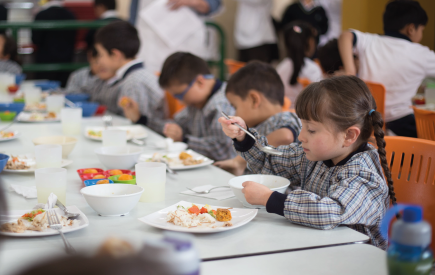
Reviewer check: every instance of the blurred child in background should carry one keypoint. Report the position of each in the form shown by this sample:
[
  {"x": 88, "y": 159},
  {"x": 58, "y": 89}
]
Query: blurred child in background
[{"x": 8, "y": 55}]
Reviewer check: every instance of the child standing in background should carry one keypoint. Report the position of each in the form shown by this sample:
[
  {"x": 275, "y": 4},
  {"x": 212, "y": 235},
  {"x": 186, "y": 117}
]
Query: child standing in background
[
  {"x": 340, "y": 175},
  {"x": 257, "y": 94},
  {"x": 395, "y": 59},
  {"x": 300, "y": 43},
  {"x": 8, "y": 55}
]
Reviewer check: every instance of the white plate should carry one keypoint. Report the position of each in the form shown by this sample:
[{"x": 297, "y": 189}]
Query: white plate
[
  {"x": 25, "y": 117},
  {"x": 135, "y": 131},
  {"x": 240, "y": 217},
  {"x": 16, "y": 135},
  {"x": 195, "y": 155},
  {"x": 29, "y": 159},
  {"x": 15, "y": 214}
]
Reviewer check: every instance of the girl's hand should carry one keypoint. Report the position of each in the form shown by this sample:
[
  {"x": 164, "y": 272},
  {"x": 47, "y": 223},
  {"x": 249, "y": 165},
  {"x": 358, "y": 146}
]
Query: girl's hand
[
  {"x": 256, "y": 193},
  {"x": 174, "y": 131},
  {"x": 130, "y": 108},
  {"x": 232, "y": 130}
]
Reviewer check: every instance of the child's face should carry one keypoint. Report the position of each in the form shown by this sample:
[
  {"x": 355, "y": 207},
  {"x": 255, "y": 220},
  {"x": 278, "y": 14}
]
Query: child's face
[
  {"x": 192, "y": 94},
  {"x": 111, "y": 62},
  {"x": 320, "y": 142},
  {"x": 244, "y": 108}
]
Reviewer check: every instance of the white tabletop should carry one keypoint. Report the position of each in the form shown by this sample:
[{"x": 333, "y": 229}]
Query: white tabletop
[
  {"x": 355, "y": 259},
  {"x": 266, "y": 233}
]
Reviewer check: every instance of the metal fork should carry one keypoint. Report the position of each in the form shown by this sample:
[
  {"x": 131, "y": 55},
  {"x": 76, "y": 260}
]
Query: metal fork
[
  {"x": 54, "y": 222},
  {"x": 207, "y": 191}
]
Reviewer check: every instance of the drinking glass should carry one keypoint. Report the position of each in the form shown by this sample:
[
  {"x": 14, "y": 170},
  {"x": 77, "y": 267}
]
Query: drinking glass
[
  {"x": 48, "y": 155},
  {"x": 151, "y": 176},
  {"x": 32, "y": 95},
  {"x": 114, "y": 138},
  {"x": 71, "y": 119},
  {"x": 55, "y": 103},
  {"x": 51, "y": 180}
]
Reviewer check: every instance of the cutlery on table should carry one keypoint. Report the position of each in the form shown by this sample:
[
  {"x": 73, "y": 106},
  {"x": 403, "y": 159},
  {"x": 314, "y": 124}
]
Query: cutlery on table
[
  {"x": 265, "y": 149},
  {"x": 69, "y": 215},
  {"x": 208, "y": 190},
  {"x": 54, "y": 223}
]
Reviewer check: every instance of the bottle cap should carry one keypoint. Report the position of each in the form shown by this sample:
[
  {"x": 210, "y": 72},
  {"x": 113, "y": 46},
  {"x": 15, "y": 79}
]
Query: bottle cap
[{"x": 412, "y": 214}]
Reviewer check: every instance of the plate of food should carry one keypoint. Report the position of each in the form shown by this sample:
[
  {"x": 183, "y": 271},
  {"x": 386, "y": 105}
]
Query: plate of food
[
  {"x": 199, "y": 218},
  {"x": 26, "y": 163},
  {"x": 38, "y": 117},
  {"x": 135, "y": 131},
  {"x": 35, "y": 107},
  {"x": 8, "y": 135},
  {"x": 179, "y": 161},
  {"x": 34, "y": 223}
]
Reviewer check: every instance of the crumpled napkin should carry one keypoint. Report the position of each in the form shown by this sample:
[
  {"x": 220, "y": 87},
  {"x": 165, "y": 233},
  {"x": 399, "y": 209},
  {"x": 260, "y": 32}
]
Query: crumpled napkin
[
  {"x": 164, "y": 144},
  {"x": 51, "y": 202},
  {"x": 25, "y": 191}
]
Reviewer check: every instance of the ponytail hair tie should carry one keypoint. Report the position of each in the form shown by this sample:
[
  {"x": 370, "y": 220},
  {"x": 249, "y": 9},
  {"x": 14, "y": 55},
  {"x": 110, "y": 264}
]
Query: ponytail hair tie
[
  {"x": 371, "y": 112},
  {"x": 297, "y": 29}
]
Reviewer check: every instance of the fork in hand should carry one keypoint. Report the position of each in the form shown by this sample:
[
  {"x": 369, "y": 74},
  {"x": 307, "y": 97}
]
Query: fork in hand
[{"x": 54, "y": 222}]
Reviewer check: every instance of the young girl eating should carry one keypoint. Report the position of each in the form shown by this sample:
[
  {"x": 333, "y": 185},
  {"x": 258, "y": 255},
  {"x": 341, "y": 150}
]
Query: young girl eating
[{"x": 339, "y": 174}]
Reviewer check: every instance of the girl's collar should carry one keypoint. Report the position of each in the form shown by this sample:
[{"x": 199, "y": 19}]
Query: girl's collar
[{"x": 360, "y": 149}]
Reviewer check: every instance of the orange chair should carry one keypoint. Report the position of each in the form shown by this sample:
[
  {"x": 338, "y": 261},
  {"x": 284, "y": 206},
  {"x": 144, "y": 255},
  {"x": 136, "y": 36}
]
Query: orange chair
[
  {"x": 412, "y": 165},
  {"x": 304, "y": 82},
  {"x": 233, "y": 65},
  {"x": 174, "y": 105},
  {"x": 378, "y": 92},
  {"x": 425, "y": 121}
]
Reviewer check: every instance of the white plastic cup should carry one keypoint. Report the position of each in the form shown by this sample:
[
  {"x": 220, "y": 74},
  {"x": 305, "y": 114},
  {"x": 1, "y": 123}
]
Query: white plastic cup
[
  {"x": 114, "y": 138},
  {"x": 55, "y": 103},
  {"x": 51, "y": 180},
  {"x": 32, "y": 95},
  {"x": 48, "y": 155},
  {"x": 71, "y": 119},
  {"x": 151, "y": 176}
]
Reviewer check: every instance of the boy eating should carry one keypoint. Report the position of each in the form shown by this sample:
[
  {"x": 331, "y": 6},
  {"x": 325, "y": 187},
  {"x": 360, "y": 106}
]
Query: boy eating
[
  {"x": 117, "y": 45},
  {"x": 257, "y": 93}
]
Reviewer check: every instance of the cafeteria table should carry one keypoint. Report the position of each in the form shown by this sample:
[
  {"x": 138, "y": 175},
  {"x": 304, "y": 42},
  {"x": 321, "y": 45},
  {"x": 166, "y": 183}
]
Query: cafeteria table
[
  {"x": 267, "y": 233},
  {"x": 355, "y": 259}
]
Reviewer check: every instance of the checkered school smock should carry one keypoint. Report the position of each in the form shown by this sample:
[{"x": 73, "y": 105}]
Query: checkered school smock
[
  {"x": 352, "y": 193},
  {"x": 9, "y": 66}
]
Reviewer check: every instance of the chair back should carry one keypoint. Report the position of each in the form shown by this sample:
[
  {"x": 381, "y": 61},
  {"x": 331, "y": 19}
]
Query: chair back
[
  {"x": 233, "y": 65},
  {"x": 425, "y": 121},
  {"x": 412, "y": 166},
  {"x": 174, "y": 105}
]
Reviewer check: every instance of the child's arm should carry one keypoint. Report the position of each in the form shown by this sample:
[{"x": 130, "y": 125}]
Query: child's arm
[
  {"x": 280, "y": 137},
  {"x": 345, "y": 45},
  {"x": 235, "y": 166}
]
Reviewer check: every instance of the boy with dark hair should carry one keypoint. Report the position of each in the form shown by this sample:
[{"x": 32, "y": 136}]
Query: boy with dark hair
[
  {"x": 330, "y": 59},
  {"x": 117, "y": 45},
  {"x": 9, "y": 62},
  {"x": 396, "y": 60},
  {"x": 188, "y": 78},
  {"x": 257, "y": 93}
]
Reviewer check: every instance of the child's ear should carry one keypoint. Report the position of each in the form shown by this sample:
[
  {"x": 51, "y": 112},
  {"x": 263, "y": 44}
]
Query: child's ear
[
  {"x": 255, "y": 98},
  {"x": 117, "y": 54},
  {"x": 352, "y": 135}
]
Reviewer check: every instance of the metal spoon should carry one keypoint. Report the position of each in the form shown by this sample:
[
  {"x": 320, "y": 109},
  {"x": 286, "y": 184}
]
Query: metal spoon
[
  {"x": 69, "y": 103},
  {"x": 207, "y": 191},
  {"x": 69, "y": 215},
  {"x": 266, "y": 149}
]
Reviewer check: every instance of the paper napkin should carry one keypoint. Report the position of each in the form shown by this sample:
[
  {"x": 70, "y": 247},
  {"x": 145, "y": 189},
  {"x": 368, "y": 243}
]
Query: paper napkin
[
  {"x": 216, "y": 194},
  {"x": 25, "y": 191}
]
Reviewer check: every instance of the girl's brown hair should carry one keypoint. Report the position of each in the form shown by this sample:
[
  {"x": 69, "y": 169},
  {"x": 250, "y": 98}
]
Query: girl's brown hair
[{"x": 345, "y": 101}]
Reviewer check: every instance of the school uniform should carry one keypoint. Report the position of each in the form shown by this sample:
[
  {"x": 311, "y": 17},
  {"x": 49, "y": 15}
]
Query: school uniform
[
  {"x": 202, "y": 131},
  {"x": 281, "y": 120},
  {"x": 353, "y": 192},
  {"x": 309, "y": 70},
  {"x": 9, "y": 66},
  {"x": 254, "y": 32},
  {"x": 134, "y": 81},
  {"x": 401, "y": 66},
  {"x": 82, "y": 81}
]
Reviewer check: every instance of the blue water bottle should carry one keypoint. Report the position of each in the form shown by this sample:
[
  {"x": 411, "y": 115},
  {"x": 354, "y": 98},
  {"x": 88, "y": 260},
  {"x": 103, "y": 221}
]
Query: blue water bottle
[{"x": 409, "y": 251}]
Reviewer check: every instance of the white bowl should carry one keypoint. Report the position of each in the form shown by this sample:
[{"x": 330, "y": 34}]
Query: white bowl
[
  {"x": 118, "y": 157},
  {"x": 68, "y": 143},
  {"x": 275, "y": 183},
  {"x": 112, "y": 199}
]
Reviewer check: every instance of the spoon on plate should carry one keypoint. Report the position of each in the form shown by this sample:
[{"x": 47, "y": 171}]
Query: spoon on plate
[
  {"x": 69, "y": 215},
  {"x": 266, "y": 149}
]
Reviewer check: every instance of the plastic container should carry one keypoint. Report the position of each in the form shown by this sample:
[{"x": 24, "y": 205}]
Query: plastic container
[
  {"x": 175, "y": 254},
  {"x": 89, "y": 108},
  {"x": 7, "y": 116},
  {"x": 82, "y": 171},
  {"x": 116, "y": 180},
  {"x": 101, "y": 110},
  {"x": 94, "y": 182},
  {"x": 429, "y": 93},
  {"x": 75, "y": 98},
  {"x": 3, "y": 160},
  {"x": 409, "y": 251},
  {"x": 12, "y": 107}
]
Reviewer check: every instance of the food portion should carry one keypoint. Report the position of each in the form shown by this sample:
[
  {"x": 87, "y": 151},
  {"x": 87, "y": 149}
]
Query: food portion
[
  {"x": 116, "y": 248},
  {"x": 125, "y": 177},
  {"x": 103, "y": 182},
  {"x": 95, "y": 134},
  {"x": 195, "y": 216},
  {"x": 124, "y": 102},
  {"x": 42, "y": 117},
  {"x": 90, "y": 171},
  {"x": 98, "y": 177},
  {"x": 115, "y": 172},
  {"x": 223, "y": 215},
  {"x": 35, "y": 220},
  {"x": 15, "y": 163},
  {"x": 4, "y": 134},
  {"x": 183, "y": 159},
  {"x": 35, "y": 107}
]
